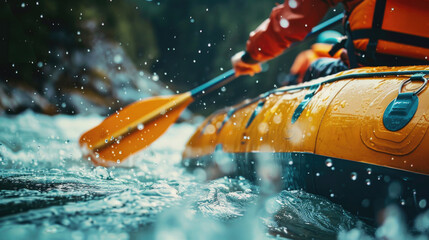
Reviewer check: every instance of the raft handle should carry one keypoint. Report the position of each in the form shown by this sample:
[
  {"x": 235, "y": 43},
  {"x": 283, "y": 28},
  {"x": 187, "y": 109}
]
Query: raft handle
[{"x": 417, "y": 77}]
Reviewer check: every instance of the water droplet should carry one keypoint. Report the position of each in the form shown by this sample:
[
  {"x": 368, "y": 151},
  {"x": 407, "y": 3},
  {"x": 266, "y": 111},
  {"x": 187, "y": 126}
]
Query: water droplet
[
  {"x": 365, "y": 203},
  {"x": 369, "y": 171},
  {"x": 284, "y": 23},
  {"x": 422, "y": 203},
  {"x": 117, "y": 59},
  {"x": 332, "y": 195},
  {"x": 328, "y": 162},
  {"x": 353, "y": 176},
  {"x": 140, "y": 126},
  {"x": 293, "y": 3},
  {"x": 368, "y": 182},
  {"x": 263, "y": 128}
]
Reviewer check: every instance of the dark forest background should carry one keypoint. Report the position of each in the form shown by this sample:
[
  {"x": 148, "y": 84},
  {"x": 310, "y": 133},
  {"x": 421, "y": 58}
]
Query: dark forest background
[{"x": 182, "y": 43}]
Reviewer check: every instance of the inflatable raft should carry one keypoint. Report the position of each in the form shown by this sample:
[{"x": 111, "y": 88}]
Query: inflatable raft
[{"x": 358, "y": 138}]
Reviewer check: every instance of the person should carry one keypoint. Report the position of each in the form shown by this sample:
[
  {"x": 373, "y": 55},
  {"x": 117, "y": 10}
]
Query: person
[
  {"x": 379, "y": 32},
  {"x": 321, "y": 49}
]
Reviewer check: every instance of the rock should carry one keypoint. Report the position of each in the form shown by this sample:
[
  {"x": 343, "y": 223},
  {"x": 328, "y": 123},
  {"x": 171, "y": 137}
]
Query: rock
[{"x": 100, "y": 79}]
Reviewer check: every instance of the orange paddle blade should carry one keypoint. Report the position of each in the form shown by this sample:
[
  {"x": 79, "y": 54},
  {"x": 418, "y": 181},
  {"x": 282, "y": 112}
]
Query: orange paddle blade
[{"x": 132, "y": 129}]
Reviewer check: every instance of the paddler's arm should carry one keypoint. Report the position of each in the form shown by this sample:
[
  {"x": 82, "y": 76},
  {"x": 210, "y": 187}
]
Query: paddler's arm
[{"x": 289, "y": 22}]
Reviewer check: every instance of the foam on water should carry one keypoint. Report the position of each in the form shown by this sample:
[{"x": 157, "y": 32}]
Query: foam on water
[{"x": 47, "y": 191}]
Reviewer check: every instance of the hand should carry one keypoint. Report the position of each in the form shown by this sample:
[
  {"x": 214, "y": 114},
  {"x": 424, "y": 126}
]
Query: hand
[
  {"x": 242, "y": 68},
  {"x": 344, "y": 57}
]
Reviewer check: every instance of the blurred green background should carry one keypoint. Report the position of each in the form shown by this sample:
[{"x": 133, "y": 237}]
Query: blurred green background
[{"x": 184, "y": 43}]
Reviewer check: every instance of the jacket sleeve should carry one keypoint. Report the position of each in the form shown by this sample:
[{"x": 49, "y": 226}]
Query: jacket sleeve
[{"x": 289, "y": 22}]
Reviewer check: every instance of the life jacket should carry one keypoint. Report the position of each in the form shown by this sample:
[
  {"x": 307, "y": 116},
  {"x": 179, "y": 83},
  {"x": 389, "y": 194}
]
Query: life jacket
[{"x": 389, "y": 32}]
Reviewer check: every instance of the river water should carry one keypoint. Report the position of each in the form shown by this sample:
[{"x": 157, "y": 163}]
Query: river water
[{"x": 48, "y": 191}]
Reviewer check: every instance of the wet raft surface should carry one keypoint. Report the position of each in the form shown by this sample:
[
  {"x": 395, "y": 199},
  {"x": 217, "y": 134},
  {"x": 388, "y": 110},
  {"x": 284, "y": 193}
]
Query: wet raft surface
[{"x": 47, "y": 191}]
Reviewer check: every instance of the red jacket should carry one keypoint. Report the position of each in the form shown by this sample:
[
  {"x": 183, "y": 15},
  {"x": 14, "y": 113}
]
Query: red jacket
[{"x": 293, "y": 20}]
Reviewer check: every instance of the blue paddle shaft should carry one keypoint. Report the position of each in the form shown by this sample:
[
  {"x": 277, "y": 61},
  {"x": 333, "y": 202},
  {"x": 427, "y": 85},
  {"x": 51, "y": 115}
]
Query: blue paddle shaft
[
  {"x": 326, "y": 25},
  {"x": 213, "y": 84},
  {"x": 219, "y": 81}
]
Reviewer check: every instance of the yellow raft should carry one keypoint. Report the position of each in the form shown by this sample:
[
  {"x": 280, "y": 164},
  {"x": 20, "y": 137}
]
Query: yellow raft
[{"x": 358, "y": 137}]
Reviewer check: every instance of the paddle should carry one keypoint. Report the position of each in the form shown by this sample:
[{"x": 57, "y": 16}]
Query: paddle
[{"x": 141, "y": 123}]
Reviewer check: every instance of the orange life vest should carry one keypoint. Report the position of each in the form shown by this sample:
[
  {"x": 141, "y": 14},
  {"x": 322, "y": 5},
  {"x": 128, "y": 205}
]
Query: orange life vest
[
  {"x": 390, "y": 32},
  {"x": 384, "y": 32}
]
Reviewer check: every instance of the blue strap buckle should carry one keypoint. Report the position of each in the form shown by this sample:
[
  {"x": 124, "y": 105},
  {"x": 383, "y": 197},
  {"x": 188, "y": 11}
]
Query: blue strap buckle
[{"x": 402, "y": 109}]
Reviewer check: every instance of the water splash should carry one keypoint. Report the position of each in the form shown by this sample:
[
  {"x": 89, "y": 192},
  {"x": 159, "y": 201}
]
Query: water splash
[{"x": 48, "y": 192}]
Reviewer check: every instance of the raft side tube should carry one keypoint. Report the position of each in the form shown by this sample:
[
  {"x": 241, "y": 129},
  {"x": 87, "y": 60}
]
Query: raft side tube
[{"x": 343, "y": 121}]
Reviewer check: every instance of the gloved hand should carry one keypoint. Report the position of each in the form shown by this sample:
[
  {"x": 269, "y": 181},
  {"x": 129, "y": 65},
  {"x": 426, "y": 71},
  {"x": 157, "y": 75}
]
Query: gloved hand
[{"x": 242, "y": 68}]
